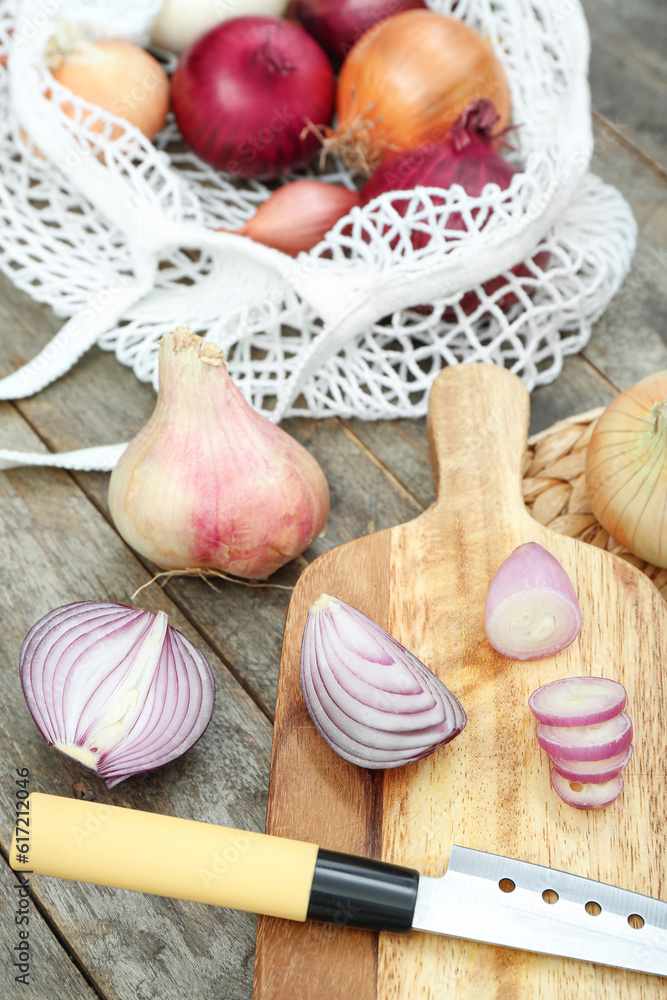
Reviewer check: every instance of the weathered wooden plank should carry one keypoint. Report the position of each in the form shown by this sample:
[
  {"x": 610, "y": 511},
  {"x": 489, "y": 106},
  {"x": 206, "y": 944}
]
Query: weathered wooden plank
[
  {"x": 405, "y": 449},
  {"x": 55, "y": 548},
  {"x": 48, "y": 964},
  {"x": 101, "y": 401},
  {"x": 628, "y": 72},
  {"x": 630, "y": 340}
]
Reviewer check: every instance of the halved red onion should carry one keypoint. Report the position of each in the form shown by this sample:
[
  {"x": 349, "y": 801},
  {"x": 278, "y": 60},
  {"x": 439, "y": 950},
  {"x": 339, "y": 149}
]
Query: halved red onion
[
  {"x": 577, "y": 701},
  {"x": 115, "y": 688},
  {"x": 371, "y": 699},
  {"x": 531, "y": 607},
  {"x": 597, "y": 742},
  {"x": 592, "y": 771},
  {"x": 586, "y": 796}
]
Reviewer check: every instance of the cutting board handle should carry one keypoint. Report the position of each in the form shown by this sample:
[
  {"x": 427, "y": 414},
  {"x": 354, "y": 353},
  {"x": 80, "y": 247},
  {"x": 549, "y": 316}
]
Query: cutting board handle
[{"x": 478, "y": 426}]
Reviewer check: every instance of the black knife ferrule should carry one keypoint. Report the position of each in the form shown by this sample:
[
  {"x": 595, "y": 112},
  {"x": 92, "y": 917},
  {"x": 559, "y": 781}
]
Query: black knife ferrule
[{"x": 359, "y": 892}]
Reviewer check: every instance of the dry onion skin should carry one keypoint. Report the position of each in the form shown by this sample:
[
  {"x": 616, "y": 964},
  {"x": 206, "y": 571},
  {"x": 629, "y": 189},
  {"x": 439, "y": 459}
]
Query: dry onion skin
[
  {"x": 407, "y": 81},
  {"x": 626, "y": 469}
]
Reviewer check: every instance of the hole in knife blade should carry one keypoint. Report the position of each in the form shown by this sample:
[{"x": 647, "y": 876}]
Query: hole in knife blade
[
  {"x": 506, "y": 885},
  {"x": 550, "y": 896},
  {"x": 593, "y": 908},
  {"x": 636, "y": 921}
]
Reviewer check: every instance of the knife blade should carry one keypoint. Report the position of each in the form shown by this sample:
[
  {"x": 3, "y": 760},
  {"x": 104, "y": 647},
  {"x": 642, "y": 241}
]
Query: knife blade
[{"x": 481, "y": 897}]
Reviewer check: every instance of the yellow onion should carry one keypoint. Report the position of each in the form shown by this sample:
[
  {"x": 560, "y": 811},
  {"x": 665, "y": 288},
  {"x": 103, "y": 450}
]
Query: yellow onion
[
  {"x": 626, "y": 469},
  {"x": 405, "y": 83},
  {"x": 117, "y": 76},
  {"x": 209, "y": 483}
]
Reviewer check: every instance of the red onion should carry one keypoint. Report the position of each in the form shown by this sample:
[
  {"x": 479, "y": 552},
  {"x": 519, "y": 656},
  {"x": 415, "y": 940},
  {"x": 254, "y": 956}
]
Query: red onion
[
  {"x": 245, "y": 91},
  {"x": 372, "y": 700},
  {"x": 531, "y": 608},
  {"x": 115, "y": 688},
  {"x": 467, "y": 156},
  {"x": 584, "y": 795},
  {"x": 598, "y": 742},
  {"x": 337, "y": 24},
  {"x": 577, "y": 701},
  {"x": 593, "y": 772}
]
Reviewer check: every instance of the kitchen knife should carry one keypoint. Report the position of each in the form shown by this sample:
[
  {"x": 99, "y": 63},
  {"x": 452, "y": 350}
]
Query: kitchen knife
[{"x": 482, "y": 897}]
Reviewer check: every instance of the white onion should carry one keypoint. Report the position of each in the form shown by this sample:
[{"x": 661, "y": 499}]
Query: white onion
[
  {"x": 531, "y": 607},
  {"x": 372, "y": 700},
  {"x": 115, "y": 688},
  {"x": 180, "y": 22}
]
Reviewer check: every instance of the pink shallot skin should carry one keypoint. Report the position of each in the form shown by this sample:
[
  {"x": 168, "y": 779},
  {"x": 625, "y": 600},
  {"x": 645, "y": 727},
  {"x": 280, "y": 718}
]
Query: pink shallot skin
[{"x": 210, "y": 483}]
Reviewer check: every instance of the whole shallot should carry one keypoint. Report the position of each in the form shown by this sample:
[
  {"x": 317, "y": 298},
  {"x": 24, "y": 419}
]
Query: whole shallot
[
  {"x": 298, "y": 215},
  {"x": 210, "y": 483}
]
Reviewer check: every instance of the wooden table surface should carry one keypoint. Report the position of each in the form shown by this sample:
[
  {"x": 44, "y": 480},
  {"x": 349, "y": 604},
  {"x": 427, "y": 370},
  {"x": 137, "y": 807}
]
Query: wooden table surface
[{"x": 58, "y": 546}]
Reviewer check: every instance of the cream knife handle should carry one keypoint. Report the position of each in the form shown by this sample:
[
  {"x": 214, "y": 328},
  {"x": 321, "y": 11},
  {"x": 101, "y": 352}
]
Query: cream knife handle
[
  {"x": 164, "y": 855},
  {"x": 186, "y": 859}
]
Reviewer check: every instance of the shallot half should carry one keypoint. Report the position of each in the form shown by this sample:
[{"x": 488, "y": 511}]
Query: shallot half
[
  {"x": 116, "y": 689},
  {"x": 370, "y": 698},
  {"x": 531, "y": 607},
  {"x": 210, "y": 483}
]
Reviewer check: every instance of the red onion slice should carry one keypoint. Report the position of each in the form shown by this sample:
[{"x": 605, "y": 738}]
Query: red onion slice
[
  {"x": 592, "y": 771},
  {"x": 372, "y": 700},
  {"x": 531, "y": 607},
  {"x": 597, "y": 742},
  {"x": 115, "y": 688},
  {"x": 586, "y": 796},
  {"x": 577, "y": 701}
]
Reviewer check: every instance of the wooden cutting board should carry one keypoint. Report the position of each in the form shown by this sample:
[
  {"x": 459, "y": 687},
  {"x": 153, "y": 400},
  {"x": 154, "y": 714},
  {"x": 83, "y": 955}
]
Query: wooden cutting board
[{"x": 426, "y": 582}]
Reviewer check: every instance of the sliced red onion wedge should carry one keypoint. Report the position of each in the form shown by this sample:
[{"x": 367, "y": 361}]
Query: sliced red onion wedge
[
  {"x": 531, "y": 607},
  {"x": 586, "y": 796},
  {"x": 596, "y": 742},
  {"x": 115, "y": 688},
  {"x": 372, "y": 700},
  {"x": 577, "y": 701},
  {"x": 592, "y": 771}
]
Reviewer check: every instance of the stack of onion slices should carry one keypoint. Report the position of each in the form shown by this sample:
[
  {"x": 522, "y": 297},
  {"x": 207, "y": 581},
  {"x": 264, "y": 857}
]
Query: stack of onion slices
[{"x": 587, "y": 735}]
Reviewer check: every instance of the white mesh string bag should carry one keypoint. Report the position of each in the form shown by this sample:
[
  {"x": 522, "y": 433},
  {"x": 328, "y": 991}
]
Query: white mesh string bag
[{"x": 120, "y": 236}]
